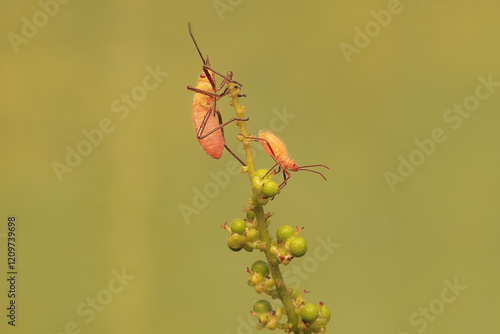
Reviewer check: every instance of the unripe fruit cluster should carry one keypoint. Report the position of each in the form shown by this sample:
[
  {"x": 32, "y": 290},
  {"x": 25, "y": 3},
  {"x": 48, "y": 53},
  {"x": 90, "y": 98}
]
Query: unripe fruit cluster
[
  {"x": 244, "y": 235},
  {"x": 288, "y": 244},
  {"x": 313, "y": 318},
  {"x": 268, "y": 318},
  {"x": 259, "y": 277},
  {"x": 264, "y": 186}
]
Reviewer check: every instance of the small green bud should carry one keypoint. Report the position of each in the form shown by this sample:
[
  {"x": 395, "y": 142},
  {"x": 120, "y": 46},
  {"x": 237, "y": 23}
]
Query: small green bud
[
  {"x": 260, "y": 288},
  {"x": 250, "y": 215},
  {"x": 272, "y": 323},
  {"x": 284, "y": 233},
  {"x": 260, "y": 267},
  {"x": 309, "y": 312},
  {"x": 295, "y": 293},
  {"x": 262, "y": 306},
  {"x": 270, "y": 189},
  {"x": 256, "y": 278},
  {"x": 238, "y": 226},
  {"x": 269, "y": 284},
  {"x": 298, "y": 247}
]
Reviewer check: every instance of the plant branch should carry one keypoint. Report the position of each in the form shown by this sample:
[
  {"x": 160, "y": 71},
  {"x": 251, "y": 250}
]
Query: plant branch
[{"x": 258, "y": 209}]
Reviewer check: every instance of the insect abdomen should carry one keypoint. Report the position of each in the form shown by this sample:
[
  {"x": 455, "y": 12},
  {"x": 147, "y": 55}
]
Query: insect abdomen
[{"x": 213, "y": 144}]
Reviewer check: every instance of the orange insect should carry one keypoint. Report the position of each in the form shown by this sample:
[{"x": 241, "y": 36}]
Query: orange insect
[
  {"x": 277, "y": 150},
  {"x": 209, "y": 130}
]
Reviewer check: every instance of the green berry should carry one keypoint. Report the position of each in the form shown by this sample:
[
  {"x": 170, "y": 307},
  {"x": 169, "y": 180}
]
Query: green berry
[
  {"x": 238, "y": 226},
  {"x": 252, "y": 235},
  {"x": 237, "y": 249},
  {"x": 325, "y": 312},
  {"x": 260, "y": 267},
  {"x": 257, "y": 183},
  {"x": 235, "y": 242},
  {"x": 270, "y": 189},
  {"x": 298, "y": 247},
  {"x": 284, "y": 233},
  {"x": 309, "y": 312},
  {"x": 261, "y": 172},
  {"x": 262, "y": 306},
  {"x": 250, "y": 215}
]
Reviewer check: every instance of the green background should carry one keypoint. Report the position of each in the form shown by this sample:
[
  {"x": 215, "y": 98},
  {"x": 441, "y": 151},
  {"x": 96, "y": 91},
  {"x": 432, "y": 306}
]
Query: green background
[{"x": 120, "y": 207}]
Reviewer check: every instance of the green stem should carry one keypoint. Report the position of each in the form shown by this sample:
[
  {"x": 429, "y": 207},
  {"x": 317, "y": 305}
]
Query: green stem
[{"x": 258, "y": 209}]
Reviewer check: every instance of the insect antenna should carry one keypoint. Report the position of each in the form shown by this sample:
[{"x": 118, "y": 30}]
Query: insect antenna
[
  {"x": 314, "y": 171},
  {"x": 196, "y": 44}
]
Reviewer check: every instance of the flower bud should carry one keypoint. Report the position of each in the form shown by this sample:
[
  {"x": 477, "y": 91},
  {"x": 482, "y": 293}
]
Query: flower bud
[{"x": 250, "y": 215}]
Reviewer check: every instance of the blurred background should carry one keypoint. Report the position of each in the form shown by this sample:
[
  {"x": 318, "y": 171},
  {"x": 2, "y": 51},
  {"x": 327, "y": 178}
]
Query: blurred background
[{"x": 118, "y": 208}]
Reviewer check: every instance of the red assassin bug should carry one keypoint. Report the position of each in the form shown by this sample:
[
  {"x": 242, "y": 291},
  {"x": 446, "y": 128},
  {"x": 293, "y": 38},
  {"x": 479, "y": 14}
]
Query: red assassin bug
[
  {"x": 277, "y": 150},
  {"x": 209, "y": 130}
]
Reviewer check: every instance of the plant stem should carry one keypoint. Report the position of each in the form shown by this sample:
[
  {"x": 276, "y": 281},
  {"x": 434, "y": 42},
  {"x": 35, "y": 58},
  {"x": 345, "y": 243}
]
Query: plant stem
[{"x": 258, "y": 209}]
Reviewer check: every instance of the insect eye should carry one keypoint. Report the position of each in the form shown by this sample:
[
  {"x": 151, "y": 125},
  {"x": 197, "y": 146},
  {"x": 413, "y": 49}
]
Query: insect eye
[{"x": 203, "y": 75}]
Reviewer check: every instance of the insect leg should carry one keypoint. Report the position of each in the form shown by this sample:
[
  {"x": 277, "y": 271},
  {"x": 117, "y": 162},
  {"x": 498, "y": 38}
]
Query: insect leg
[
  {"x": 286, "y": 173},
  {"x": 264, "y": 140},
  {"x": 228, "y": 77},
  {"x": 221, "y": 126},
  {"x": 286, "y": 177},
  {"x": 204, "y": 92},
  {"x": 234, "y": 155}
]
